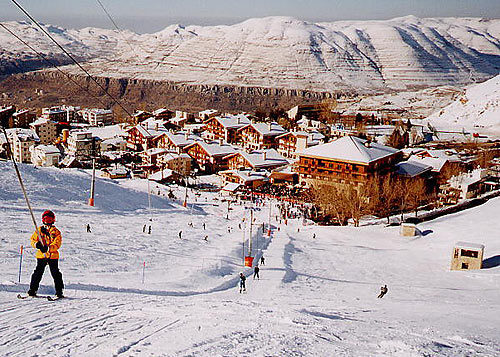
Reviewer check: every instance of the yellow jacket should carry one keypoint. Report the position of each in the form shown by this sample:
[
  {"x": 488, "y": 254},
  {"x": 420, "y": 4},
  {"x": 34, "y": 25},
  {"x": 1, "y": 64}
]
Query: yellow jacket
[{"x": 53, "y": 240}]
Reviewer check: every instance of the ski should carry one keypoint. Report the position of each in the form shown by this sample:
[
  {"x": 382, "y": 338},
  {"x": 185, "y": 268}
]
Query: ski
[
  {"x": 23, "y": 297},
  {"x": 54, "y": 298}
]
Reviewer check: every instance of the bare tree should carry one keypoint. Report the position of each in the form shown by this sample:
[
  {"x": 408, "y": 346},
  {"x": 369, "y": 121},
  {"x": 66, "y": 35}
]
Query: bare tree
[{"x": 327, "y": 110}]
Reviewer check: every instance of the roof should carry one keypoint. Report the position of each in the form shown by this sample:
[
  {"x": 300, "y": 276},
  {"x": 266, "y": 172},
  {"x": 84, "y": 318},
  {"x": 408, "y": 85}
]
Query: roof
[
  {"x": 234, "y": 121},
  {"x": 268, "y": 129},
  {"x": 215, "y": 149},
  {"x": 352, "y": 149},
  {"x": 248, "y": 175},
  {"x": 182, "y": 139},
  {"x": 256, "y": 158},
  {"x": 48, "y": 149},
  {"x": 469, "y": 245},
  {"x": 158, "y": 176},
  {"x": 412, "y": 168},
  {"x": 436, "y": 163},
  {"x": 41, "y": 121},
  {"x": 231, "y": 187}
]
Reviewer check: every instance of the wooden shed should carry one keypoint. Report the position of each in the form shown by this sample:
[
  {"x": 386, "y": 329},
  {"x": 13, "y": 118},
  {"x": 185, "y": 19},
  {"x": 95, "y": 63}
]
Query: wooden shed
[{"x": 467, "y": 256}]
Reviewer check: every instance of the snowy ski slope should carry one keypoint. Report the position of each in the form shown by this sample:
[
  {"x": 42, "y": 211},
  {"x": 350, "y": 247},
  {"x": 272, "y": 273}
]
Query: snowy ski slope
[{"x": 316, "y": 297}]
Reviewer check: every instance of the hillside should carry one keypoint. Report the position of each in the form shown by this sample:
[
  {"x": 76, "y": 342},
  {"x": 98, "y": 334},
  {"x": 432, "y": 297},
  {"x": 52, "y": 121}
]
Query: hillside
[
  {"x": 316, "y": 296},
  {"x": 281, "y": 52}
]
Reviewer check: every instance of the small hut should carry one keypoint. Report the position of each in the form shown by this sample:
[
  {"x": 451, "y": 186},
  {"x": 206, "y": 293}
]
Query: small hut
[
  {"x": 467, "y": 256},
  {"x": 408, "y": 230}
]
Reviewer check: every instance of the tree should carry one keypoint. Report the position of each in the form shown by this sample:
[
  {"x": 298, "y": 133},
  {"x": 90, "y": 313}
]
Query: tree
[
  {"x": 396, "y": 139},
  {"x": 387, "y": 196},
  {"x": 327, "y": 110}
]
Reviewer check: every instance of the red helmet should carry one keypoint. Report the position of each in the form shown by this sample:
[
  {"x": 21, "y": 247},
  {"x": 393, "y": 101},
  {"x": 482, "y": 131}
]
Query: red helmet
[{"x": 48, "y": 217}]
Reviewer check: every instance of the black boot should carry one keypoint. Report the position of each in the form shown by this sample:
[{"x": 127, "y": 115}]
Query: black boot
[{"x": 31, "y": 292}]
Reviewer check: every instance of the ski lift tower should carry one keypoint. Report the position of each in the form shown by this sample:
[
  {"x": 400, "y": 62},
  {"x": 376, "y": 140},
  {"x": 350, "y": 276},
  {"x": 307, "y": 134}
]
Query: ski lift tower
[{"x": 92, "y": 185}]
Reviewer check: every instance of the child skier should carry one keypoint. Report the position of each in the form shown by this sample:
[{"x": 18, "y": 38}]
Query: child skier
[
  {"x": 47, "y": 254},
  {"x": 242, "y": 282},
  {"x": 256, "y": 272}
]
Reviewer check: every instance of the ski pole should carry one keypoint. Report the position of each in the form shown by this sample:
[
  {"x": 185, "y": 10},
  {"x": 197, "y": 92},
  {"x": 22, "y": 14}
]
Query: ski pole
[{"x": 20, "y": 263}]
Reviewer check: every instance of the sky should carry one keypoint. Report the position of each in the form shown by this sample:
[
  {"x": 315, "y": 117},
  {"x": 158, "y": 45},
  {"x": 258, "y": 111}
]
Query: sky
[{"x": 154, "y": 15}]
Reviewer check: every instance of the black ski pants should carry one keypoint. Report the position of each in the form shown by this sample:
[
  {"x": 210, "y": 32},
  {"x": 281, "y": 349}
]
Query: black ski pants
[{"x": 54, "y": 271}]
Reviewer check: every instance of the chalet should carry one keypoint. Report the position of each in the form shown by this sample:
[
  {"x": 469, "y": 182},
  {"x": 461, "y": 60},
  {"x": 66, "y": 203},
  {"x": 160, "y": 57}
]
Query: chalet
[
  {"x": 117, "y": 172},
  {"x": 246, "y": 178},
  {"x": 180, "y": 163},
  {"x": 114, "y": 144},
  {"x": 292, "y": 142},
  {"x": 166, "y": 176},
  {"x": 309, "y": 111},
  {"x": 348, "y": 160},
  {"x": 264, "y": 159},
  {"x": 258, "y": 136},
  {"x": 46, "y": 130},
  {"x": 175, "y": 142},
  {"x": 210, "y": 157},
  {"x": 225, "y": 128},
  {"x": 412, "y": 169},
  {"x": 139, "y": 116},
  {"x": 140, "y": 138},
  {"x": 306, "y": 124},
  {"x": 163, "y": 113},
  {"x": 45, "y": 155}
]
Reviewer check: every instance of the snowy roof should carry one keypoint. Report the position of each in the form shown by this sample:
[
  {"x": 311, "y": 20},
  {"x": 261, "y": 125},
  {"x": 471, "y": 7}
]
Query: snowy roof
[
  {"x": 263, "y": 158},
  {"x": 182, "y": 139},
  {"x": 436, "y": 163},
  {"x": 23, "y": 134},
  {"x": 234, "y": 121},
  {"x": 467, "y": 245},
  {"x": 48, "y": 149},
  {"x": 268, "y": 129},
  {"x": 40, "y": 121},
  {"x": 161, "y": 110},
  {"x": 412, "y": 168},
  {"x": 231, "y": 187},
  {"x": 215, "y": 149},
  {"x": 248, "y": 175},
  {"x": 109, "y": 131},
  {"x": 207, "y": 112},
  {"x": 155, "y": 151},
  {"x": 350, "y": 148}
]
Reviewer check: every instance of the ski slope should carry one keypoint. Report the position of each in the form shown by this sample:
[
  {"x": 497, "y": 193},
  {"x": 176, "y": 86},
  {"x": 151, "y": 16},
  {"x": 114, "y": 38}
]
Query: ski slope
[{"x": 316, "y": 297}]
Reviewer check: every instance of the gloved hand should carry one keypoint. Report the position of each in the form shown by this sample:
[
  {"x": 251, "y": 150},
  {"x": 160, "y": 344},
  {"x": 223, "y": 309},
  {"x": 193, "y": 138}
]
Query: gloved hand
[
  {"x": 44, "y": 230},
  {"x": 43, "y": 248}
]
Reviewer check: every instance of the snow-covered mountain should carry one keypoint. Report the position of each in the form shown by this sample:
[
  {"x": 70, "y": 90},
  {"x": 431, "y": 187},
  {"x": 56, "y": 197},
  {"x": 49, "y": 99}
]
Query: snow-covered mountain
[
  {"x": 285, "y": 52},
  {"x": 478, "y": 109}
]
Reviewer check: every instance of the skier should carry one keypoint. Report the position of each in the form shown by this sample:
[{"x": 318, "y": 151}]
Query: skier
[
  {"x": 205, "y": 239},
  {"x": 149, "y": 230},
  {"x": 314, "y": 235},
  {"x": 256, "y": 272},
  {"x": 383, "y": 291},
  {"x": 262, "y": 260},
  {"x": 88, "y": 228},
  {"x": 242, "y": 282},
  {"x": 47, "y": 254},
  {"x": 144, "y": 229},
  {"x": 180, "y": 234},
  {"x": 204, "y": 226}
]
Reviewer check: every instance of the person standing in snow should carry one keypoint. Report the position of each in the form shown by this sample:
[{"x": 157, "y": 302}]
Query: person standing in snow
[
  {"x": 256, "y": 272},
  {"x": 242, "y": 282},
  {"x": 262, "y": 260},
  {"x": 88, "y": 228},
  {"x": 383, "y": 291},
  {"x": 180, "y": 234},
  {"x": 144, "y": 229},
  {"x": 47, "y": 254},
  {"x": 314, "y": 235}
]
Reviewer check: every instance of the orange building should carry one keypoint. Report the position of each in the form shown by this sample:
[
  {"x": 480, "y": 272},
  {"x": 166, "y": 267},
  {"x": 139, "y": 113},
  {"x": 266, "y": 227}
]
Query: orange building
[{"x": 258, "y": 136}]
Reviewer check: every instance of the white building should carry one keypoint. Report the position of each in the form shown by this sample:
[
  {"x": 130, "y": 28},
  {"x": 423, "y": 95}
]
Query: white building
[
  {"x": 46, "y": 130},
  {"x": 82, "y": 145},
  {"x": 22, "y": 140},
  {"x": 60, "y": 114},
  {"x": 97, "y": 117},
  {"x": 45, "y": 155}
]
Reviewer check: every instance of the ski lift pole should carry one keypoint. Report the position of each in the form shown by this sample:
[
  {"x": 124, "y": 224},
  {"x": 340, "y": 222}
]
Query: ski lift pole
[
  {"x": 11, "y": 155},
  {"x": 269, "y": 226},
  {"x": 92, "y": 185},
  {"x": 20, "y": 263},
  {"x": 149, "y": 201}
]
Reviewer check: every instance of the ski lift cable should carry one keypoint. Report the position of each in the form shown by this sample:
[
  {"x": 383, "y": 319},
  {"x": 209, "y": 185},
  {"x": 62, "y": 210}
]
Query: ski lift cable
[
  {"x": 11, "y": 155},
  {"x": 69, "y": 55},
  {"x": 43, "y": 57}
]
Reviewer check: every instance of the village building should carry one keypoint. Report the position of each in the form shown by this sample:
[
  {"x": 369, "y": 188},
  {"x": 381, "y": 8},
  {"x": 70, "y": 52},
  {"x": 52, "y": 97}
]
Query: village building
[
  {"x": 467, "y": 256},
  {"x": 82, "y": 145},
  {"x": 292, "y": 142},
  {"x": 61, "y": 114},
  {"x": 210, "y": 157},
  {"x": 166, "y": 176},
  {"x": 97, "y": 117},
  {"x": 22, "y": 118},
  {"x": 163, "y": 113},
  {"x": 117, "y": 172},
  {"x": 225, "y": 128},
  {"x": 207, "y": 114},
  {"x": 21, "y": 141},
  {"x": 139, "y": 116},
  {"x": 308, "y": 111},
  {"x": 412, "y": 169},
  {"x": 114, "y": 144},
  {"x": 45, "y": 155},
  {"x": 308, "y": 125},
  {"x": 261, "y": 159},
  {"x": 6, "y": 113},
  {"x": 247, "y": 178},
  {"x": 46, "y": 130},
  {"x": 258, "y": 136},
  {"x": 176, "y": 142},
  {"x": 142, "y": 137},
  {"x": 348, "y": 160}
]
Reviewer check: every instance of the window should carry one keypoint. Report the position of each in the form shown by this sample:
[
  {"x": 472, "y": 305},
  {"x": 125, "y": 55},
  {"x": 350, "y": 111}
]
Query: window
[
  {"x": 465, "y": 266},
  {"x": 469, "y": 253}
]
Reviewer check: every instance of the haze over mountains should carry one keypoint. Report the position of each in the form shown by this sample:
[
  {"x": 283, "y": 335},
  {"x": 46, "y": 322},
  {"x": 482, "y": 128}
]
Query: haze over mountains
[{"x": 278, "y": 52}]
